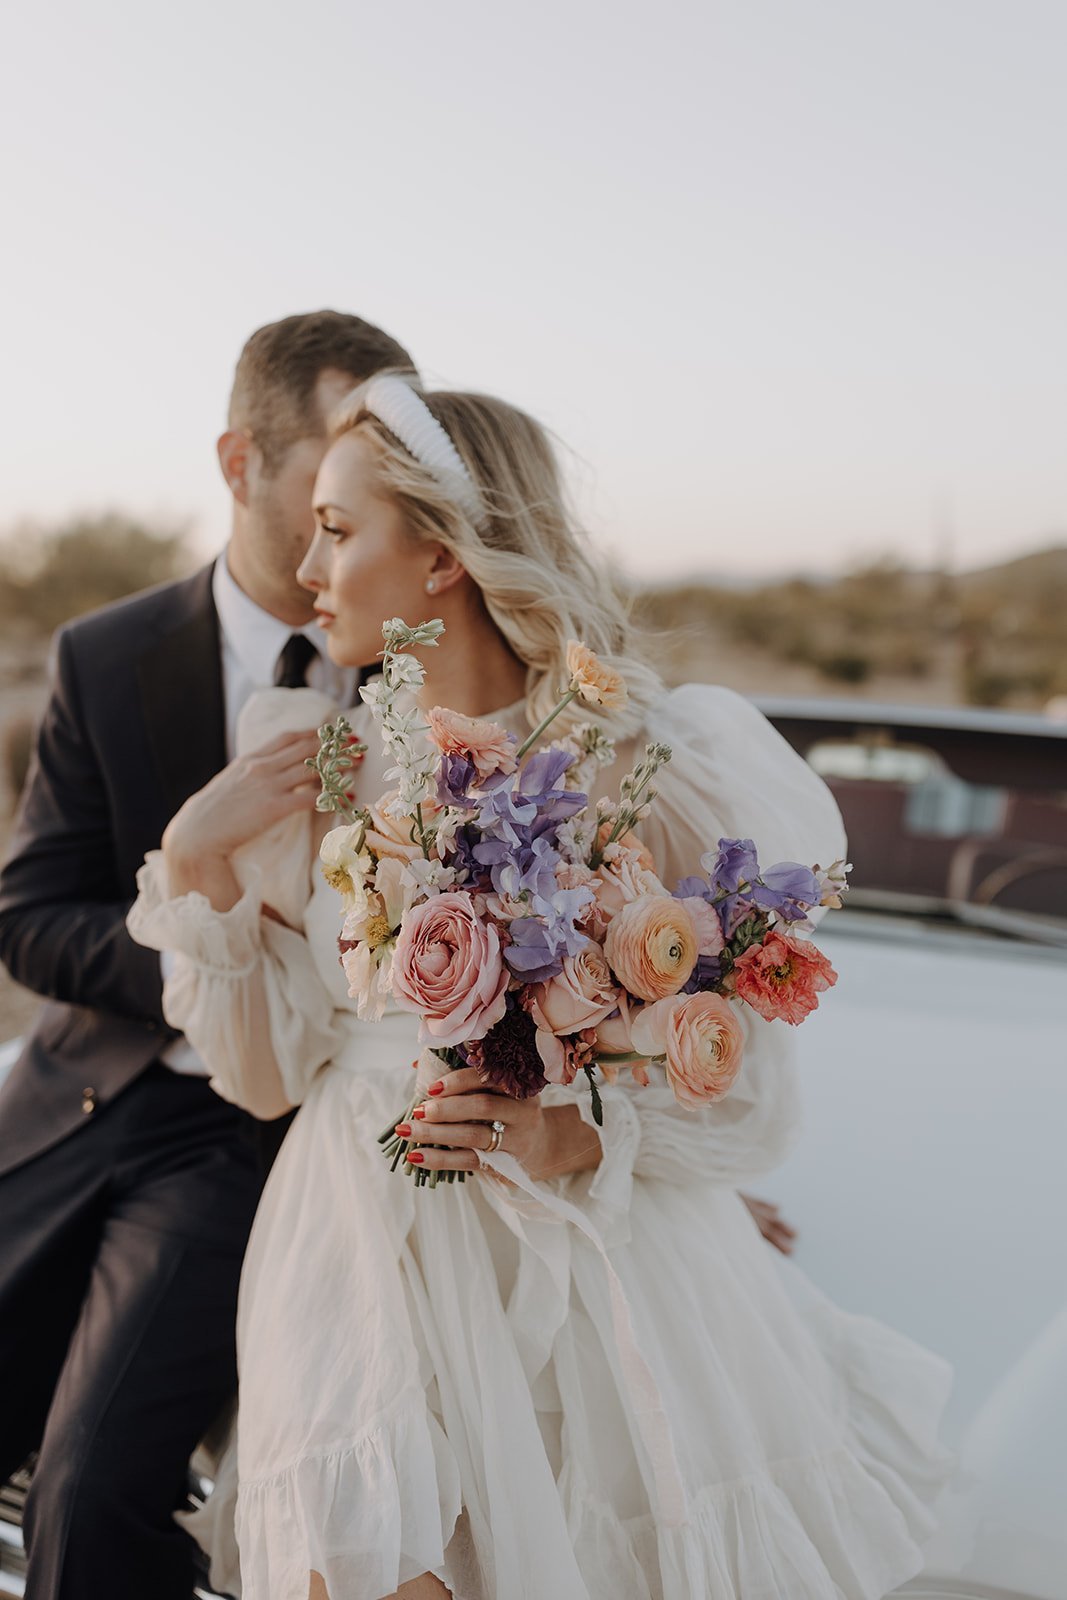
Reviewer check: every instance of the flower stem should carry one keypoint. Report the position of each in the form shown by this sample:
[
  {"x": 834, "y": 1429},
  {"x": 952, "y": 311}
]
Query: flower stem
[{"x": 527, "y": 744}]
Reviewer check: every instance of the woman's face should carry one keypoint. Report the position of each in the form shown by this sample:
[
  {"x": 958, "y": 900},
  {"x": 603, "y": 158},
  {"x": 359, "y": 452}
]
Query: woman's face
[{"x": 363, "y": 565}]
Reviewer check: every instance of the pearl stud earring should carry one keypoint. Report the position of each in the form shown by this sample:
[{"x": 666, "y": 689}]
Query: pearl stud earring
[{"x": 430, "y": 586}]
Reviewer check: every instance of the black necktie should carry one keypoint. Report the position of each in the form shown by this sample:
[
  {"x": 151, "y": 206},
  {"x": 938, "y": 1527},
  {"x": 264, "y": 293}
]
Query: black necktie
[{"x": 292, "y": 669}]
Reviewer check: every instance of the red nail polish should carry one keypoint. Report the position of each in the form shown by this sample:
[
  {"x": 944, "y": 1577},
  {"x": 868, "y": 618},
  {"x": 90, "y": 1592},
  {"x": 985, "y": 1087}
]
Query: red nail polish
[
  {"x": 435, "y": 1088},
  {"x": 420, "y": 1112},
  {"x": 415, "y": 1157},
  {"x": 403, "y": 1129},
  {"x": 414, "y": 1065}
]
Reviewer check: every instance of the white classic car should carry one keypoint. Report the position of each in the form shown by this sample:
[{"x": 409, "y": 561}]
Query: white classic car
[{"x": 929, "y": 1188}]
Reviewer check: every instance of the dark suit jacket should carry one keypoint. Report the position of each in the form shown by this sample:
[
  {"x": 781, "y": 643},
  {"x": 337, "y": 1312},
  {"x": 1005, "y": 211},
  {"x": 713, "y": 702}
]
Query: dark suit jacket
[{"x": 135, "y": 725}]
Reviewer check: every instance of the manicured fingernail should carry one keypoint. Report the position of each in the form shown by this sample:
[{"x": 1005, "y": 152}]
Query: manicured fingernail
[
  {"x": 420, "y": 1112},
  {"x": 403, "y": 1129},
  {"x": 435, "y": 1088},
  {"x": 415, "y": 1157},
  {"x": 414, "y": 1065}
]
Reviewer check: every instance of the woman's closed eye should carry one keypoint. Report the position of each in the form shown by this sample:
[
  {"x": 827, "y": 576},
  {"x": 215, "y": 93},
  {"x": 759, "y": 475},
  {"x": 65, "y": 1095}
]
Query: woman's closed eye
[{"x": 332, "y": 532}]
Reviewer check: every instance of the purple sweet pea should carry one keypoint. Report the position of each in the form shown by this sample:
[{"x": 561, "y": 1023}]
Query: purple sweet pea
[
  {"x": 539, "y": 942},
  {"x": 707, "y": 974},
  {"x": 787, "y": 889},
  {"x": 733, "y": 867}
]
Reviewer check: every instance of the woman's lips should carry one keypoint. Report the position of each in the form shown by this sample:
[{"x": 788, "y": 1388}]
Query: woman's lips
[{"x": 325, "y": 619}]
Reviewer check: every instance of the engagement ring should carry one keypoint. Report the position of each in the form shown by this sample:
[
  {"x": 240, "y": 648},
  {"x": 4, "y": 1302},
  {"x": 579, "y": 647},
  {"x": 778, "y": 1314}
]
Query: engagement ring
[{"x": 497, "y": 1139}]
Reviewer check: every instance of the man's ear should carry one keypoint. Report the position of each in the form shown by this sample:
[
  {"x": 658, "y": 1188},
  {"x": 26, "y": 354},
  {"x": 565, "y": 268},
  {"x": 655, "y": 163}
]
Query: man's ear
[{"x": 235, "y": 449}]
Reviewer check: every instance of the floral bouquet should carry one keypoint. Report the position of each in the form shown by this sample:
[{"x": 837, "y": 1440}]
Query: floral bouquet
[{"x": 527, "y": 929}]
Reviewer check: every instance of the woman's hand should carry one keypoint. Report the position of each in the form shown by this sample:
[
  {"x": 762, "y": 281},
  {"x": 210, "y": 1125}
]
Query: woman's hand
[
  {"x": 241, "y": 801},
  {"x": 547, "y": 1141}
]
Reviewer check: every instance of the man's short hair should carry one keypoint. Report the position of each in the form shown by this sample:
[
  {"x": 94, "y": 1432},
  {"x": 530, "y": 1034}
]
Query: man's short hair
[{"x": 273, "y": 395}]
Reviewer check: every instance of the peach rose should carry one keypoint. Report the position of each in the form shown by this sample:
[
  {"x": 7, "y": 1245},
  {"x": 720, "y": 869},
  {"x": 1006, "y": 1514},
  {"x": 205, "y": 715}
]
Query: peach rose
[
  {"x": 488, "y": 746},
  {"x": 581, "y": 996},
  {"x": 597, "y": 684},
  {"x": 652, "y": 946},
  {"x": 701, "y": 1040},
  {"x": 783, "y": 977},
  {"x": 448, "y": 968}
]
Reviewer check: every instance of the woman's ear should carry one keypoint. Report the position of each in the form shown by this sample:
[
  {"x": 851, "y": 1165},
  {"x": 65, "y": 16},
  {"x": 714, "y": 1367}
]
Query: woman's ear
[{"x": 445, "y": 572}]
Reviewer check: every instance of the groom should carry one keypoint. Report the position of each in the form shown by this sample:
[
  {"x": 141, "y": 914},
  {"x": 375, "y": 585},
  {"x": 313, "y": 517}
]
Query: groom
[{"x": 127, "y": 1187}]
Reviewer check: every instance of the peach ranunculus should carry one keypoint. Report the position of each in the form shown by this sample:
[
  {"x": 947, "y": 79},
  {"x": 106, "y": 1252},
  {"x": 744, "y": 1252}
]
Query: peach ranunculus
[
  {"x": 392, "y": 836},
  {"x": 486, "y": 745},
  {"x": 783, "y": 977},
  {"x": 626, "y": 876},
  {"x": 580, "y": 996},
  {"x": 597, "y": 684},
  {"x": 701, "y": 1041},
  {"x": 652, "y": 946},
  {"x": 448, "y": 968}
]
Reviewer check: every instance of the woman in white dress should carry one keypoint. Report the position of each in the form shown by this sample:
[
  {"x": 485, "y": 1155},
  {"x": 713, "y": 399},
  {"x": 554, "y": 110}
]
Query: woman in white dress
[{"x": 595, "y": 1381}]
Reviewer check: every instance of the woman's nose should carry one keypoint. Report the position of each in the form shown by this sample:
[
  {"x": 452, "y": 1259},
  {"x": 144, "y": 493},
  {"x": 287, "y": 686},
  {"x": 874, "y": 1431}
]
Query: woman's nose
[{"x": 308, "y": 573}]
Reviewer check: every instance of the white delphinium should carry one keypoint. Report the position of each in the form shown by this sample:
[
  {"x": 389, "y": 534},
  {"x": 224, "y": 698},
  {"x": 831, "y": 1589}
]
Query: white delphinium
[{"x": 401, "y": 724}]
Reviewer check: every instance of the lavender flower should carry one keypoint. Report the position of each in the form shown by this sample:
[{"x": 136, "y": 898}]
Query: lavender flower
[{"x": 787, "y": 889}]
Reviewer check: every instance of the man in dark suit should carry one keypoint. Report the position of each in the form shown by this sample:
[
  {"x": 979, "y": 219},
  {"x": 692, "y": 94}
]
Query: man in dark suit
[{"x": 127, "y": 1187}]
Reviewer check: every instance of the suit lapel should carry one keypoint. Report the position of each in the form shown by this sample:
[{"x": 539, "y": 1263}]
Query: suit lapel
[{"x": 180, "y": 682}]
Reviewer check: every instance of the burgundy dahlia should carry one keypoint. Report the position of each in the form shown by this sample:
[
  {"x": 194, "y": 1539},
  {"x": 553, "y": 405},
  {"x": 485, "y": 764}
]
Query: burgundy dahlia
[{"x": 507, "y": 1058}]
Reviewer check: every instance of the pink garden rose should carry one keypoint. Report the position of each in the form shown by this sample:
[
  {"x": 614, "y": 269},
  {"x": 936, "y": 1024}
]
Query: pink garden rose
[
  {"x": 702, "y": 1040},
  {"x": 651, "y": 946},
  {"x": 448, "y": 969},
  {"x": 710, "y": 937},
  {"x": 488, "y": 746},
  {"x": 783, "y": 977},
  {"x": 581, "y": 996}
]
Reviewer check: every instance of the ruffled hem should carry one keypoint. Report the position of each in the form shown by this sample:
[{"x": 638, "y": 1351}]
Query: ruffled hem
[
  {"x": 796, "y": 1528},
  {"x": 367, "y": 1517}
]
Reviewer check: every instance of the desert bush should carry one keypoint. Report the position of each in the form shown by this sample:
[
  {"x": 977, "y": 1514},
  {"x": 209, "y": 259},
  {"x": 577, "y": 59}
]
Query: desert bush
[{"x": 48, "y": 574}]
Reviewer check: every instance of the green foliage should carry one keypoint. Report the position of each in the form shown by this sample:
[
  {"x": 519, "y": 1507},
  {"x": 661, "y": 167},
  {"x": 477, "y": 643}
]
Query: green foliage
[{"x": 49, "y": 574}]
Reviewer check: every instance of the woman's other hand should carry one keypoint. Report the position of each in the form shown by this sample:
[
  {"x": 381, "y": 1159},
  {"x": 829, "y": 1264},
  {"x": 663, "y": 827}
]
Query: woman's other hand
[{"x": 242, "y": 801}]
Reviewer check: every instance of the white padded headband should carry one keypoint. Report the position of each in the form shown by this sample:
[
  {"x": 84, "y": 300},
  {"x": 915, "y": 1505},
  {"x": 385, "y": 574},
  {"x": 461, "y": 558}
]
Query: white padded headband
[{"x": 410, "y": 420}]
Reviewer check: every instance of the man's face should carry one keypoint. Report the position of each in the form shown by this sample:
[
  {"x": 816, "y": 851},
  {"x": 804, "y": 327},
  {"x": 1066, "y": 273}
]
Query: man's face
[{"x": 277, "y": 526}]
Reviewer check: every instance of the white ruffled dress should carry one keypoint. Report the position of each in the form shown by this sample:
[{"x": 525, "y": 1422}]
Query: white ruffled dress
[{"x": 600, "y": 1387}]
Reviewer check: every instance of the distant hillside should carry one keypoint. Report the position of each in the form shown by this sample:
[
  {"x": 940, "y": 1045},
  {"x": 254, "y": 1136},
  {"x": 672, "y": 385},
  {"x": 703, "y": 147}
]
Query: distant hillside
[{"x": 995, "y": 636}]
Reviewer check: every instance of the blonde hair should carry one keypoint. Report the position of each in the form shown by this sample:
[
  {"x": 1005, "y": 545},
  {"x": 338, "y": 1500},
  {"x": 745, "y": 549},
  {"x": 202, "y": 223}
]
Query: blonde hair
[{"x": 540, "y": 583}]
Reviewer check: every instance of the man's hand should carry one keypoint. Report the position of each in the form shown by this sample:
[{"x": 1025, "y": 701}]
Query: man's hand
[{"x": 771, "y": 1224}]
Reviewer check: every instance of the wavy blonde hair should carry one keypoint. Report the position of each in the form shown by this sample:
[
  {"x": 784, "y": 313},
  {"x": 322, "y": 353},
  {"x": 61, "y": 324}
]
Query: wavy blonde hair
[{"x": 540, "y": 582}]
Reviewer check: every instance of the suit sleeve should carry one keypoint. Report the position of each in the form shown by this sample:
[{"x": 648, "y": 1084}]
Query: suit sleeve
[{"x": 62, "y": 914}]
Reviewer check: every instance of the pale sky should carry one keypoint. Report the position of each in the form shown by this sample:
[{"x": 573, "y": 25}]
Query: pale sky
[{"x": 788, "y": 275}]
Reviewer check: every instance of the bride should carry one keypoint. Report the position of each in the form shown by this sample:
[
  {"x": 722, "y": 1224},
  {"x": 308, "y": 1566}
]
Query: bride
[{"x": 594, "y": 1382}]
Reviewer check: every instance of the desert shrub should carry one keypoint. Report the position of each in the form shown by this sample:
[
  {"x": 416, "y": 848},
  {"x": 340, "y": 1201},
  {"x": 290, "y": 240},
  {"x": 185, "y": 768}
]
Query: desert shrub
[{"x": 50, "y": 574}]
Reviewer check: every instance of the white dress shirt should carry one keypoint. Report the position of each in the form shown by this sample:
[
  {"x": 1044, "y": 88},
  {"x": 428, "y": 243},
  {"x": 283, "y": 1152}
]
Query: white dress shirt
[{"x": 252, "y": 640}]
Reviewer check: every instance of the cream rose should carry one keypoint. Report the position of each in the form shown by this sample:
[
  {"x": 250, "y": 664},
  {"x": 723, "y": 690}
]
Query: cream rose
[
  {"x": 392, "y": 836},
  {"x": 581, "y": 996},
  {"x": 627, "y": 876},
  {"x": 701, "y": 1040},
  {"x": 651, "y": 946}
]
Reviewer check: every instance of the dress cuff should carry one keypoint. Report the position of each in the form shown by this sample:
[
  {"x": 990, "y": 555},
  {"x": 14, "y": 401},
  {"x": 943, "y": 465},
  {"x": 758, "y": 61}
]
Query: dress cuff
[
  {"x": 224, "y": 942},
  {"x": 608, "y": 1188}
]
